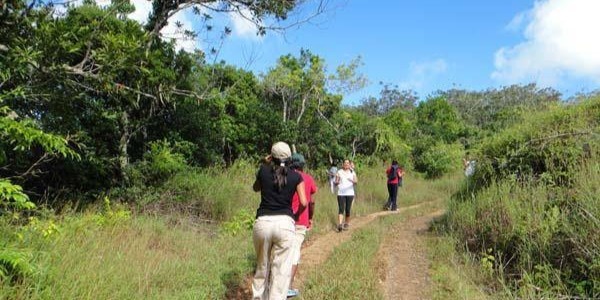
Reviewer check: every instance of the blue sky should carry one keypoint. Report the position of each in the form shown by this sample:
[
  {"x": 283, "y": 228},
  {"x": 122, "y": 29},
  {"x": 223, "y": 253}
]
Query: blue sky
[{"x": 429, "y": 45}]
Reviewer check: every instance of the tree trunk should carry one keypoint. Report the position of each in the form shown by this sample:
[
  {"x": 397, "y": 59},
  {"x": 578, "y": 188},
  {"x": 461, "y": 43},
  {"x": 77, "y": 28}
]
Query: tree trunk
[
  {"x": 302, "y": 108},
  {"x": 123, "y": 143},
  {"x": 284, "y": 110}
]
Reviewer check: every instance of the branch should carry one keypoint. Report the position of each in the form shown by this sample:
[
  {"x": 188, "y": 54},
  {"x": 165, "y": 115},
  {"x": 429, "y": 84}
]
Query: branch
[
  {"x": 160, "y": 15},
  {"x": 31, "y": 171},
  {"x": 560, "y": 135}
]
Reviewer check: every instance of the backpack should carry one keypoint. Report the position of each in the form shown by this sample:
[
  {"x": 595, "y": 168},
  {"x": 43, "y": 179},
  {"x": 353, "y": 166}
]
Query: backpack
[{"x": 393, "y": 173}]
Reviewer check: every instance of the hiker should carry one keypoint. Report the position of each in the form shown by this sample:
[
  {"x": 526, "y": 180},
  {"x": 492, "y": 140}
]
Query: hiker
[
  {"x": 468, "y": 166},
  {"x": 274, "y": 230},
  {"x": 302, "y": 215},
  {"x": 345, "y": 180},
  {"x": 331, "y": 175},
  {"x": 394, "y": 180}
]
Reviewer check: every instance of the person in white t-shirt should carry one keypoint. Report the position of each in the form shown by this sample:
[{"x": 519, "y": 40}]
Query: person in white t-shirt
[{"x": 345, "y": 180}]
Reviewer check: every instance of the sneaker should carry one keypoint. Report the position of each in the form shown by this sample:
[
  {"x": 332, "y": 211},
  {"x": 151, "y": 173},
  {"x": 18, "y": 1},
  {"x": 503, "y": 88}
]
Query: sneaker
[
  {"x": 346, "y": 226},
  {"x": 292, "y": 293},
  {"x": 340, "y": 228}
]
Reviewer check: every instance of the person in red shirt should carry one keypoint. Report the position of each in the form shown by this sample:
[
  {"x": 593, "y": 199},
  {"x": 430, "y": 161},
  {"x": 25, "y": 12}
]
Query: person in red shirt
[
  {"x": 394, "y": 175},
  {"x": 302, "y": 215}
]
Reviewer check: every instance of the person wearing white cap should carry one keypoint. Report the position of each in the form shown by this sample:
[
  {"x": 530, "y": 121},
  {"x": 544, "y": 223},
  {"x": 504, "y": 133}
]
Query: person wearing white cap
[{"x": 274, "y": 230}]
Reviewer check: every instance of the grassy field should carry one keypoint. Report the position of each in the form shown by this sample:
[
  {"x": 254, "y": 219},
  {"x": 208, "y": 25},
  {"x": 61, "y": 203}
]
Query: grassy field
[{"x": 114, "y": 252}]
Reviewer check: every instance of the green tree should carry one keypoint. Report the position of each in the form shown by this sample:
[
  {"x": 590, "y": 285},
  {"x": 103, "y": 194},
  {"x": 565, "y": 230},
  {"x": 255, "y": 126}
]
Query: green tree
[
  {"x": 390, "y": 98},
  {"x": 437, "y": 118},
  {"x": 494, "y": 109}
]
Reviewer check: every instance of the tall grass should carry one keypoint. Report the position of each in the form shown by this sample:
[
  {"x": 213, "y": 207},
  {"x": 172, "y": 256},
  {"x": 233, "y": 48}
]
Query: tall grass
[
  {"x": 141, "y": 258},
  {"x": 173, "y": 245},
  {"x": 349, "y": 273},
  {"x": 544, "y": 240},
  {"x": 531, "y": 215},
  {"x": 453, "y": 276}
]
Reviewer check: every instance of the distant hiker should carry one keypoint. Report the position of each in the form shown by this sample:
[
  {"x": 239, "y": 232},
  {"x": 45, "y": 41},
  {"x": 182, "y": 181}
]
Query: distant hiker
[
  {"x": 345, "y": 180},
  {"x": 331, "y": 175},
  {"x": 274, "y": 228},
  {"x": 394, "y": 178},
  {"x": 470, "y": 168},
  {"x": 302, "y": 215}
]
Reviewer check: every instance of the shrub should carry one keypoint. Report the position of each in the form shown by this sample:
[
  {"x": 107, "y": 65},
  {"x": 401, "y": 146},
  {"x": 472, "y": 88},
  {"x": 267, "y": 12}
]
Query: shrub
[
  {"x": 159, "y": 164},
  {"x": 439, "y": 159}
]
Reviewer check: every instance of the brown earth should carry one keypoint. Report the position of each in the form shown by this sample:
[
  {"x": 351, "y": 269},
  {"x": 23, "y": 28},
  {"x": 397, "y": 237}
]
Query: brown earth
[
  {"x": 404, "y": 272},
  {"x": 403, "y": 266}
]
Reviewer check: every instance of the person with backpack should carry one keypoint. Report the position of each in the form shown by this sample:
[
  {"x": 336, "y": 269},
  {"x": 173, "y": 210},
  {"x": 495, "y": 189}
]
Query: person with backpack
[
  {"x": 274, "y": 229},
  {"x": 394, "y": 178},
  {"x": 302, "y": 215}
]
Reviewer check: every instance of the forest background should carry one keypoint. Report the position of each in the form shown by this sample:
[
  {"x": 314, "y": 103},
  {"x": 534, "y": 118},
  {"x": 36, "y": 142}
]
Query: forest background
[{"x": 104, "y": 124}]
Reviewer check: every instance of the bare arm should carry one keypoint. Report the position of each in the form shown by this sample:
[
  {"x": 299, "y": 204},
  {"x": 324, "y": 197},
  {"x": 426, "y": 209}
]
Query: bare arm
[
  {"x": 301, "y": 194},
  {"x": 256, "y": 186}
]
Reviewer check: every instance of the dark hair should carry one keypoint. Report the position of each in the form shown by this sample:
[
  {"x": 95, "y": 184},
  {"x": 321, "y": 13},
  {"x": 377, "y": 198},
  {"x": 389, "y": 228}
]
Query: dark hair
[
  {"x": 394, "y": 162},
  {"x": 297, "y": 166},
  {"x": 280, "y": 172}
]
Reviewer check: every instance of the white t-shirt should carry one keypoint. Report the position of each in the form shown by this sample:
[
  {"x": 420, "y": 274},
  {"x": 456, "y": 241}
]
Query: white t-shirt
[{"x": 346, "y": 187}]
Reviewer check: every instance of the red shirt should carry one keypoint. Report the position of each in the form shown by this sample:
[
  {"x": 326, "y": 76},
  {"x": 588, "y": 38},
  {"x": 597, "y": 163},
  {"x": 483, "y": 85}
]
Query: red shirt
[
  {"x": 310, "y": 188},
  {"x": 395, "y": 180}
]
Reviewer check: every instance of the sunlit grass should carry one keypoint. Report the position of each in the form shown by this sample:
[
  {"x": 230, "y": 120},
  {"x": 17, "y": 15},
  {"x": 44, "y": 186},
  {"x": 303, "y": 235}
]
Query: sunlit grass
[{"x": 144, "y": 258}]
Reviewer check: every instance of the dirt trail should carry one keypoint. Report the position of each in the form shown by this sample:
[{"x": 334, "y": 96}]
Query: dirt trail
[
  {"x": 405, "y": 266},
  {"x": 321, "y": 248},
  {"x": 405, "y": 272}
]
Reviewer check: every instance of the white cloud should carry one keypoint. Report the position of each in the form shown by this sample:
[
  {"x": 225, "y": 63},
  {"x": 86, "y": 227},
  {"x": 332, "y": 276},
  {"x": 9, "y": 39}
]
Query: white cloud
[
  {"x": 242, "y": 26},
  {"x": 173, "y": 31},
  {"x": 422, "y": 72},
  {"x": 142, "y": 10},
  {"x": 561, "y": 42},
  {"x": 517, "y": 21},
  {"x": 103, "y": 3}
]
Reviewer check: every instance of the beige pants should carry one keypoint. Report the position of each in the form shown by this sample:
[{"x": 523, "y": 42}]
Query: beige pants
[
  {"x": 298, "y": 240},
  {"x": 273, "y": 241}
]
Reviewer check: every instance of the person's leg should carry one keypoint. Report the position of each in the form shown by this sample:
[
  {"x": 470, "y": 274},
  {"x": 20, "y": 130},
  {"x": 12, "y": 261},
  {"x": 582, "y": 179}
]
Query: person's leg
[
  {"x": 281, "y": 267},
  {"x": 348, "y": 209},
  {"x": 394, "y": 196},
  {"x": 388, "y": 204},
  {"x": 299, "y": 236},
  {"x": 341, "y": 208},
  {"x": 262, "y": 246}
]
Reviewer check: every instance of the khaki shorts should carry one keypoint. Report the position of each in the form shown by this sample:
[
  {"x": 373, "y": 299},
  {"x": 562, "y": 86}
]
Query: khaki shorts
[{"x": 299, "y": 236}]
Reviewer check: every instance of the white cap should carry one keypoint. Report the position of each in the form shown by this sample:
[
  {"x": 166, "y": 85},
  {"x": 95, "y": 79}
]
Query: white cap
[{"x": 281, "y": 151}]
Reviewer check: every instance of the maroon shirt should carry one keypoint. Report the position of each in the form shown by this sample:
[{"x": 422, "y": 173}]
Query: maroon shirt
[{"x": 398, "y": 176}]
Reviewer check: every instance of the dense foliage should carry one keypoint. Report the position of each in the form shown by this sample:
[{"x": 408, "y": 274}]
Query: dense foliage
[{"x": 532, "y": 204}]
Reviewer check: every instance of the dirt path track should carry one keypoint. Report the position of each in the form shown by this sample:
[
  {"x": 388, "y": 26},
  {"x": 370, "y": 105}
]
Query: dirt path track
[
  {"x": 321, "y": 248},
  {"x": 405, "y": 259},
  {"x": 405, "y": 266}
]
